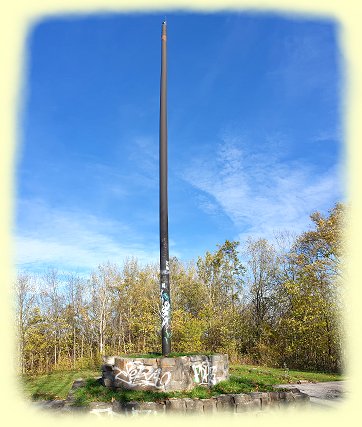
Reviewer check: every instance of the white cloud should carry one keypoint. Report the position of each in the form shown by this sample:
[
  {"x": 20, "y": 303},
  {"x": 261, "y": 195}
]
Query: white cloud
[
  {"x": 260, "y": 193},
  {"x": 74, "y": 239}
]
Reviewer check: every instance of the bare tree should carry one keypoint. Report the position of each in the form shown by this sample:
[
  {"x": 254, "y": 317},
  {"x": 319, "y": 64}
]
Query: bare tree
[{"x": 24, "y": 289}]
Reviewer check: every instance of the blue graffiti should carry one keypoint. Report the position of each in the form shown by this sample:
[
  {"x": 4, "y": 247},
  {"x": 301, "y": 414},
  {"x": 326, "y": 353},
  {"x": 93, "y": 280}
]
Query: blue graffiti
[{"x": 165, "y": 296}]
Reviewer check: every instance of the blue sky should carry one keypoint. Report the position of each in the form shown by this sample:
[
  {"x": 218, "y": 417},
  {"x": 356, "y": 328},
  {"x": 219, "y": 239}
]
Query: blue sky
[{"x": 254, "y": 128}]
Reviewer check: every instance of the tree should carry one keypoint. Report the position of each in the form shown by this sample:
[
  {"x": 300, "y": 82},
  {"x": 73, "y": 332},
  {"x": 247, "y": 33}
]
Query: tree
[
  {"x": 101, "y": 284},
  {"x": 24, "y": 289},
  {"x": 261, "y": 275},
  {"x": 222, "y": 273},
  {"x": 75, "y": 302},
  {"x": 309, "y": 325},
  {"x": 282, "y": 304},
  {"x": 262, "y": 272}
]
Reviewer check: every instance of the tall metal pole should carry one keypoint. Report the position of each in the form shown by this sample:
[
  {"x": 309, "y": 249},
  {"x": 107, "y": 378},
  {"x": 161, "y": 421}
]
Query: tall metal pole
[{"x": 164, "y": 253}]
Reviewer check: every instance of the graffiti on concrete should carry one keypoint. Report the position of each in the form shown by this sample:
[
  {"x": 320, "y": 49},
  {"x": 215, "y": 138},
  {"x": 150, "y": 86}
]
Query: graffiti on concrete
[
  {"x": 138, "y": 374},
  {"x": 204, "y": 373}
]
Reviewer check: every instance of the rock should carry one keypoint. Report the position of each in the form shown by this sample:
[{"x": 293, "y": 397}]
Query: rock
[
  {"x": 146, "y": 407},
  {"x": 132, "y": 406},
  {"x": 166, "y": 362},
  {"x": 265, "y": 400},
  {"x": 108, "y": 360},
  {"x": 109, "y": 375},
  {"x": 241, "y": 399},
  {"x": 241, "y": 407},
  {"x": 100, "y": 405},
  {"x": 194, "y": 406},
  {"x": 165, "y": 374},
  {"x": 255, "y": 403},
  {"x": 209, "y": 405},
  {"x": 107, "y": 382},
  {"x": 225, "y": 402},
  {"x": 175, "y": 405},
  {"x": 274, "y": 399},
  {"x": 117, "y": 406}
]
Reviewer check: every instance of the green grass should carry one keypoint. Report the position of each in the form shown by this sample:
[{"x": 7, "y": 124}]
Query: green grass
[
  {"x": 243, "y": 379},
  {"x": 157, "y": 355},
  {"x": 273, "y": 376},
  {"x": 55, "y": 385}
]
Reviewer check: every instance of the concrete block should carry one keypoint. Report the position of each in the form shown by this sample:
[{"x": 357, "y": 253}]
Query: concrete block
[
  {"x": 151, "y": 407},
  {"x": 130, "y": 407},
  {"x": 242, "y": 407},
  {"x": 175, "y": 405},
  {"x": 289, "y": 395},
  {"x": 265, "y": 400},
  {"x": 195, "y": 358},
  {"x": 255, "y": 403},
  {"x": 209, "y": 405},
  {"x": 225, "y": 402},
  {"x": 167, "y": 362},
  {"x": 149, "y": 362},
  {"x": 120, "y": 362},
  {"x": 194, "y": 406},
  {"x": 282, "y": 395},
  {"x": 241, "y": 398}
]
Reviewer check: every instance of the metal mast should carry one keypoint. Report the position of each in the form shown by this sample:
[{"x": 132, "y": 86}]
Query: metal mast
[{"x": 164, "y": 252}]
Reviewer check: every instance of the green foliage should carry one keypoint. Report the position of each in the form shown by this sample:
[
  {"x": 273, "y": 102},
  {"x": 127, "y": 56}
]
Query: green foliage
[{"x": 269, "y": 303}]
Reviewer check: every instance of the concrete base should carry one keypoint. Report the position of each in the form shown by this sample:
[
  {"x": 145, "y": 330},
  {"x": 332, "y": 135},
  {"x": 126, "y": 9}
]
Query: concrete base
[{"x": 164, "y": 373}]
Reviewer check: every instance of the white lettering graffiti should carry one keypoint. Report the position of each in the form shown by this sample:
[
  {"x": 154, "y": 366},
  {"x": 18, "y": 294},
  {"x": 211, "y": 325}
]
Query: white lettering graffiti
[
  {"x": 204, "y": 373},
  {"x": 165, "y": 313},
  {"x": 138, "y": 374}
]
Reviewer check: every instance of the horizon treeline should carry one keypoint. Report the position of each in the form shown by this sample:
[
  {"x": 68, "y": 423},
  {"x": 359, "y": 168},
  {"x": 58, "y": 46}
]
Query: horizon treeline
[{"x": 268, "y": 303}]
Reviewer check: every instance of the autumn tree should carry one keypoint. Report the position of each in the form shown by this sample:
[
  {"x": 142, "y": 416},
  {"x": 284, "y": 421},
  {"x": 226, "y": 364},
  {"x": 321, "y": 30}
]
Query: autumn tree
[
  {"x": 261, "y": 273},
  {"x": 309, "y": 325},
  {"x": 222, "y": 273},
  {"x": 275, "y": 303}
]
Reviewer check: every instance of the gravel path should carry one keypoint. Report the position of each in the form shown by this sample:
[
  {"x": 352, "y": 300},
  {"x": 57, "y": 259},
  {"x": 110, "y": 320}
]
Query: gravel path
[{"x": 330, "y": 393}]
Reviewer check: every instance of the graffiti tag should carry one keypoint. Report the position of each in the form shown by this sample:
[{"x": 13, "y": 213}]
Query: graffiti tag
[
  {"x": 204, "y": 373},
  {"x": 138, "y": 374}
]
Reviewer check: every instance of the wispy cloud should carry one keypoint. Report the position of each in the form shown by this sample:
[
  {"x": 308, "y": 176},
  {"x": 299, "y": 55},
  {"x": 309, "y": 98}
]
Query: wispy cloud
[
  {"x": 259, "y": 192},
  {"x": 74, "y": 240}
]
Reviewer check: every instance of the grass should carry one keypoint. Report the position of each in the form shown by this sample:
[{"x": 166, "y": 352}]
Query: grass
[
  {"x": 95, "y": 392},
  {"x": 272, "y": 376},
  {"x": 55, "y": 385},
  {"x": 243, "y": 379},
  {"x": 157, "y": 355}
]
